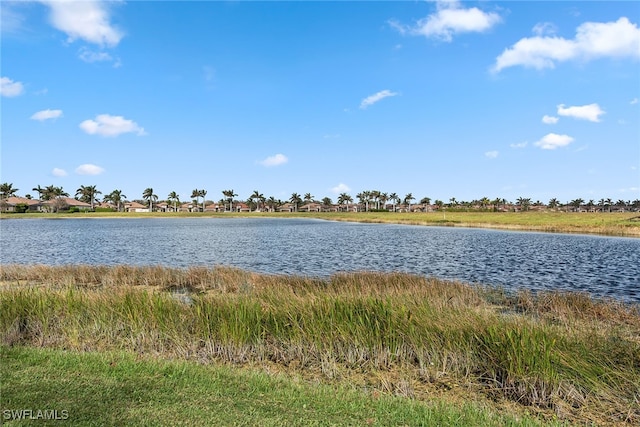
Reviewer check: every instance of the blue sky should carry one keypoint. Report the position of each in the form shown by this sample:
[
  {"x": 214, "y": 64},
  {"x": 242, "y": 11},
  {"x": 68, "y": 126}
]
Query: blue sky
[{"x": 440, "y": 99}]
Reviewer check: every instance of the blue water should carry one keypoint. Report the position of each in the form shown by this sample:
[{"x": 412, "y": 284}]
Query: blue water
[{"x": 602, "y": 266}]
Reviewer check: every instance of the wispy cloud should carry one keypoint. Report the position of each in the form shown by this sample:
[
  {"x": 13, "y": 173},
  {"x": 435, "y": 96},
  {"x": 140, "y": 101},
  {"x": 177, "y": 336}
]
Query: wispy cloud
[
  {"x": 88, "y": 55},
  {"x": 340, "y": 188},
  {"x": 549, "y": 120},
  {"x": 89, "y": 169},
  {"x": 9, "y": 88},
  {"x": 491, "y": 154},
  {"x": 108, "y": 125},
  {"x": 552, "y": 141},
  {"x": 275, "y": 160},
  {"x": 634, "y": 101},
  {"x": 519, "y": 144},
  {"x": 376, "y": 97},
  {"x": 58, "y": 172},
  {"x": 46, "y": 115},
  {"x": 591, "y": 112},
  {"x": 85, "y": 20},
  {"x": 544, "y": 29},
  {"x": 449, "y": 20},
  {"x": 619, "y": 39}
]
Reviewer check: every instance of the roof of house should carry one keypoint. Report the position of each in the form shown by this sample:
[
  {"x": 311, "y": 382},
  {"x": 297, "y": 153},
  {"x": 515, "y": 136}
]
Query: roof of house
[{"x": 13, "y": 200}]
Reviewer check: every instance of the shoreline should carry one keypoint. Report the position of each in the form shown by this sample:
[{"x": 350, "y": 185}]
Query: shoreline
[
  {"x": 550, "y": 355},
  {"x": 601, "y": 224}
]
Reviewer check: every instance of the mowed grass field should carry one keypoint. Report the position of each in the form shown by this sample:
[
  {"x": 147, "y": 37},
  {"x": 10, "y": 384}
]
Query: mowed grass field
[
  {"x": 604, "y": 223},
  {"x": 155, "y": 345}
]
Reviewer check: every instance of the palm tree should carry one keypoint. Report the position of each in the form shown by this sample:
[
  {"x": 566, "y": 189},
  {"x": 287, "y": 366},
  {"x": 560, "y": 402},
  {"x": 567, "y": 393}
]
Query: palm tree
[
  {"x": 327, "y": 202},
  {"x": 229, "y": 194},
  {"x": 7, "y": 190},
  {"x": 39, "y": 190},
  {"x": 553, "y": 203},
  {"x": 57, "y": 193},
  {"x": 375, "y": 197},
  {"x": 426, "y": 201},
  {"x": 344, "y": 198},
  {"x": 173, "y": 197},
  {"x": 395, "y": 199},
  {"x": 407, "y": 201},
  {"x": 115, "y": 197},
  {"x": 523, "y": 203},
  {"x": 383, "y": 200},
  {"x": 150, "y": 197},
  {"x": 295, "y": 200},
  {"x": 576, "y": 204},
  {"x": 272, "y": 203},
  {"x": 87, "y": 194},
  {"x": 203, "y": 193},
  {"x": 590, "y": 205},
  {"x": 257, "y": 197},
  {"x": 484, "y": 202},
  {"x": 308, "y": 198},
  {"x": 195, "y": 194}
]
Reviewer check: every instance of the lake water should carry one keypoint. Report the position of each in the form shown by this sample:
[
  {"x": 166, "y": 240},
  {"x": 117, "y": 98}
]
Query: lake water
[{"x": 602, "y": 266}]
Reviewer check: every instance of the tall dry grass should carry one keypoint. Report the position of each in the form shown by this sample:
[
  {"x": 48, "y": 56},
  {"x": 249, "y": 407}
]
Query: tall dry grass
[{"x": 566, "y": 354}]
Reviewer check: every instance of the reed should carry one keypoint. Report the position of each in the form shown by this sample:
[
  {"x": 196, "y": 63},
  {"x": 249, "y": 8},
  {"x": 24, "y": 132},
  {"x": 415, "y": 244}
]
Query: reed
[{"x": 563, "y": 355}]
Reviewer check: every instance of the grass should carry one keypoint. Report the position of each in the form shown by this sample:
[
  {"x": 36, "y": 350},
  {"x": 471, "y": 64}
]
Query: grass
[
  {"x": 614, "y": 224},
  {"x": 553, "y": 355},
  {"x": 118, "y": 388}
]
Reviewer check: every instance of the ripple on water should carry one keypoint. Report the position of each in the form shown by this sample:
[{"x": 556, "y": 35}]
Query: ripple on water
[{"x": 603, "y": 266}]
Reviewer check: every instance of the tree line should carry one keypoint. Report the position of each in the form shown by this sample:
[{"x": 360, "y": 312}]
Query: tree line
[{"x": 368, "y": 200}]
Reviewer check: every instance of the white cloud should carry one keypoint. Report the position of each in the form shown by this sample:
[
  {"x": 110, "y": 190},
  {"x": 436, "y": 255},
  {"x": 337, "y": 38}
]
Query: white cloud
[
  {"x": 552, "y": 141},
  {"x": 10, "y": 19},
  {"x": 450, "y": 19},
  {"x": 340, "y": 188},
  {"x": 591, "y": 112},
  {"x": 549, "y": 120},
  {"x": 633, "y": 101},
  {"x": 87, "y": 20},
  {"x": 46, "y": 115},
  {"x": 89, "y": 169},
  {"x": 58, "y": 172},
  {"x": 372, "y": 99},
  {"x": 491, "y": 154},
  {"x": 10, "y": 88},
  {"x": 619, "y": 39},
  {"x": 88, "y": 55},
  {"x": 519, "y": 145},
  {"x": 544, "y": 29},
  {"x": 276, "y": 160},
  {"x": 108, "y": 125}
]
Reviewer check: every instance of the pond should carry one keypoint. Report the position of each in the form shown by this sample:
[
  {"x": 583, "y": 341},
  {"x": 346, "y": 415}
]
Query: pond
[{"x": 602, "y": 266}]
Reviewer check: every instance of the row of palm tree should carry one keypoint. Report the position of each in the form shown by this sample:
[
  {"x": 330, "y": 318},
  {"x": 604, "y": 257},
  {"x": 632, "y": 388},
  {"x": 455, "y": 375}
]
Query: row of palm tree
[{"x": 368, "y": 200}]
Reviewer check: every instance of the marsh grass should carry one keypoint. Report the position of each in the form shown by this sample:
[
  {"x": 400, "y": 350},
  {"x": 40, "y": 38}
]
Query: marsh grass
[
  {"x": 605, "y": 223},
  {"x": 560, "y": 355}
]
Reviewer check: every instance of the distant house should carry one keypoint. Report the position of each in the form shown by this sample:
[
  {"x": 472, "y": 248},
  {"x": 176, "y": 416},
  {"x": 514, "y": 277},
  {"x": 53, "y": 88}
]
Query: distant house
[
  {"x": 12, "y": 204},
  {"x": 135, "y": 207},
  {"x": 214, "y": 207},
  {"x": 287, "y": 207},
  {"x": 65, "y": 203},
  {"x": 310, "y": 207}
]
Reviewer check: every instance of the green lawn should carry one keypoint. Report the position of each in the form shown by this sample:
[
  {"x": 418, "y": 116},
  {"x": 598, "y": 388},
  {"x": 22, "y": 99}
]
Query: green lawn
[{"x": 117, "y": 388}]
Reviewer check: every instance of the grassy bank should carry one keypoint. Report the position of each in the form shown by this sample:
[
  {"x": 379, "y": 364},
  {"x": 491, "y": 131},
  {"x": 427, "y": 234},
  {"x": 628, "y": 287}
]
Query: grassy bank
[
  {"x": 613, "y": 224},
  {"x": 557, "y": 356},
  {"x": 118, "y": 388}
]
